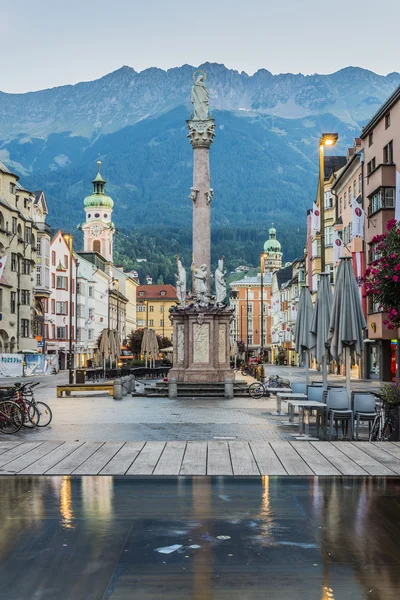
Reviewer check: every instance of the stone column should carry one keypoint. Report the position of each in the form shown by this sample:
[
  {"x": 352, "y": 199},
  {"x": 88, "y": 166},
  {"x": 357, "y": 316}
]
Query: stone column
[{"x": 201, "y": 134}]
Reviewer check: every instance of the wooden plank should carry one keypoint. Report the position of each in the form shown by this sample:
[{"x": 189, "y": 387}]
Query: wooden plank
[
  {"x": 195, "y": 459},
  {"x": 380, "y": 455},
  {"x": 343, "y": 463},
  {"x": 46, "y": 462},
  {"x": 392, "y": 447},
  {"x": 171, "y": 459},
  {"x": 147, "y": 460},
  {"x": 5, "y": 446},
  {"x": 18, "y": 451},
  {"x": 369, "y": 464},
  {"x": 98, "y": 460},
  {"x": 121, "y": 462},
  {"x": 22, "y": 462},
  {"x": 266, "y": 459},
  {"x": 292, "y": 462},
  {"x": 242, "y": 459},
  {"x": 75, "y": 459},
  {"x": 218, "y": 459},
  {"x": 315, "y": 460}
]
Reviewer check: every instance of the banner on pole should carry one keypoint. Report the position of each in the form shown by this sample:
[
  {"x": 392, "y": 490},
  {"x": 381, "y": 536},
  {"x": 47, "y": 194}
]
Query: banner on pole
[
  {"x": 3, "y": 261},
  {"x": 337, "y": 246},
  {"x": 315, "y": 218},
  {"x": 358, "y": 214}
]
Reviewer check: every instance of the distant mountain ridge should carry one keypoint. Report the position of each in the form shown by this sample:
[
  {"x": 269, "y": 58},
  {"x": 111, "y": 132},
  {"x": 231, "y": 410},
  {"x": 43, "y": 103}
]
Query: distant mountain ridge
[{"x": 263, "y": 161}]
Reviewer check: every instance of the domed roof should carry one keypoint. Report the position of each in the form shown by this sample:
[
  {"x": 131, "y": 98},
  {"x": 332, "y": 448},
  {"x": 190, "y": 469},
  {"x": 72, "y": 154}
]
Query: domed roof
[
  {"x": 98, "y": 198},
  {"x": 272, "y": 244}
]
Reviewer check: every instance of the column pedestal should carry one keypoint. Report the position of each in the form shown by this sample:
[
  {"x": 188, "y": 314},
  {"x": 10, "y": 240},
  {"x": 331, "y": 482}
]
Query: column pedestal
[{"x": 201, "y": 344}]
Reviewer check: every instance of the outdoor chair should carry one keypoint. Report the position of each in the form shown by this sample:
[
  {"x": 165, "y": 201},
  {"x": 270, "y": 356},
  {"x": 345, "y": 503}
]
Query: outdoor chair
[
  {"x": 315, "y": 393},
  {"x": 298, "y": 388},
  {"x": 364, "y": 409},
  {"x": 337, "y": 409}
]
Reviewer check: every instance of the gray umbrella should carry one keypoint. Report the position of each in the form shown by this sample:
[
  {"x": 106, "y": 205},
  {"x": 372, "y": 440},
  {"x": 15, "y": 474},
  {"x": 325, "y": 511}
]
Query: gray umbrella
[
  {"x": 347, "y": 318},
  {"x": 302, "y": 334},
  {"x": 320, "y": 324}
]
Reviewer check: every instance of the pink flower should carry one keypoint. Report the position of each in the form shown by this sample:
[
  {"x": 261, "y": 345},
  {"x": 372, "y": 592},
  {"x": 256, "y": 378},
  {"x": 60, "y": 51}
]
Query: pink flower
[
  {"x": 393, "y": 312},
  {"x": 391, "y": 224},
  {"x": 395, "y": 278},
  {"x": 393, "y": 255},
  {"x": 397, "y": 267}
]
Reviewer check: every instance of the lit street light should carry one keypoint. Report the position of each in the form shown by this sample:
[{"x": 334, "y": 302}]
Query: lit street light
[
  {"x": 327, "y": 139},
  {"x": 68, "y": 239}
]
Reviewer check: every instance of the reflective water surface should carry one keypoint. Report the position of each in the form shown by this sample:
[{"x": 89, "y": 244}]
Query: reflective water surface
[{"x": 95, "y": 538}]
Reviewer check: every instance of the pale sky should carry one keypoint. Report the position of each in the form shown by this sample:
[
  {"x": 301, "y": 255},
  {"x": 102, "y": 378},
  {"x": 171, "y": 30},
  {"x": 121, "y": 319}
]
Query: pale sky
[{"x": 47, "y": 43}]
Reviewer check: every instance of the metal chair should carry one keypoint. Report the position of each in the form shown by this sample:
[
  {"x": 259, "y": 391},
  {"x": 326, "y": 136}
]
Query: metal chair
[
  {"x": 299, "y": 388},
  {"x": 337, "y": 409},
  {"x": 364, "y": 408}
]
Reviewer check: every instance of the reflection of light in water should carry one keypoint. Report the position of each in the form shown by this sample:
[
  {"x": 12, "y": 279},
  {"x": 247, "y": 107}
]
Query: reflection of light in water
[
  {"x": 97, "y": 495},
  {"x": 66, "y": 503},
  {"x": 327, "y": 593},
  {"x": 317, "y": 499},
  {"x": 361, "y": 512},
  {"x": 265, "y": 515}
]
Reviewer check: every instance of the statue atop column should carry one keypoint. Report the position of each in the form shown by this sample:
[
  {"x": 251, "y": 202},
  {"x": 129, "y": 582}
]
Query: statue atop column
[
  {"x": 180, "y": 282},
  {"x": 200, "y": 97},
  {"x": 220, "y": 283},
  {"x": 200, "y": 281}
]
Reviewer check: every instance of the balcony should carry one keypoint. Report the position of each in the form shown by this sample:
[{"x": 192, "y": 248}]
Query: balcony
[{"x": 383, "y": 176}]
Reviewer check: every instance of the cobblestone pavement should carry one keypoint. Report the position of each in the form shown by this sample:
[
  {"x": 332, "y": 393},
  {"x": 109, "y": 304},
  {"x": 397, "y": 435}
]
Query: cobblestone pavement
[{"x": 100, "y": 418}]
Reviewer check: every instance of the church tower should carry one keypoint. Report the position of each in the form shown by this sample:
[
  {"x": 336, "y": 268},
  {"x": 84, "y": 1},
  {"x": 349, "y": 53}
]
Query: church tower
[
  {"x": 98, "y": 231},
  {"x": 272, "y": 252}
]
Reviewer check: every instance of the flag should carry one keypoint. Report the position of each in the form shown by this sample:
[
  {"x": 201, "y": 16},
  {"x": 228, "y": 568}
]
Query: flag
[
  {"x": 3, "y": 261},
  {"x": 357, "y": 229},
  {"x": 294, "y": 312},
  {"x": 337, "y": 246},
  {"x": 397, "y": 207},
  {"x": 315, "y": 218}
]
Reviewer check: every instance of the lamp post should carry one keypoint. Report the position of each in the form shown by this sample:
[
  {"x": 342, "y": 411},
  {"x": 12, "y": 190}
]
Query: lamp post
[
  {"x": 68, "y": 239},
  {"x": 247, "y": 322},
  {"x": 262, "y": 267},
  {"x": 326, "y": 139}
]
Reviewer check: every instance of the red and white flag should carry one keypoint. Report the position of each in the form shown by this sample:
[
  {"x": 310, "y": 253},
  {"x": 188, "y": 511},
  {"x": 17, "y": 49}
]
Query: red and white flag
[
  {"x": 3, "y": 261},
  {"x": 294, "y": 312},
  {"x": 357, "y": 229},
  {"x": 315, "y": 218},
  {"x": 337, "y": 246}
]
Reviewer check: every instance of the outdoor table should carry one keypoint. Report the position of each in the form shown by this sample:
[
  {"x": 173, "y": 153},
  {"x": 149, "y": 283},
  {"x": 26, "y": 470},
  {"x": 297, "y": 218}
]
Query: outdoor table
[
  {"x": 283, "y": 395},
  {"x": 304, "y": 418}
]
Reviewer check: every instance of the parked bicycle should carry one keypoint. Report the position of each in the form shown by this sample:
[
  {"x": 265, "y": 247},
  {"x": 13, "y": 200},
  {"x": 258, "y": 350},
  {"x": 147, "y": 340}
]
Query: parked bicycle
[
  {"x": 41, "y": 410},
  {"x": 258, "y": 389},
  {"x": 383, "y": 424},
  {"x": 11, "y": 415}
]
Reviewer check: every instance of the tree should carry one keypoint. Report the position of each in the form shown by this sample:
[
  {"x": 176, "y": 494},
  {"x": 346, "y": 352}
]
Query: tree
[
  {"x": 382, "y": 278},
  {"x": 134, "y": 341}
]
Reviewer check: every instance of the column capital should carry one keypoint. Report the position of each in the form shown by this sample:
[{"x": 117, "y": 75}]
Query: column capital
[{"x": 201, "y": 133}]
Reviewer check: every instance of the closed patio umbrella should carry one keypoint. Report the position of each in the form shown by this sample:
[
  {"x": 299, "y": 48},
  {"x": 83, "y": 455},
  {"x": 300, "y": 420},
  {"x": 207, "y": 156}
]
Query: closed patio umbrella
[
  {"x": 153, "y": 345},
  {"x": 302, "y": 333},
  {"x": 144, "y": 349},
  {"x": 320, "y": 325},
  {"x": 347, "y": 318},
  {"x": 111, "y": 337},
  {"x": 104, "y": 347}
]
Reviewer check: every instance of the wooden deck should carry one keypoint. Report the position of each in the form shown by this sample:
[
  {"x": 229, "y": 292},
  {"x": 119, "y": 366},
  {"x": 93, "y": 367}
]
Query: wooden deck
[{"x": 200, "y": 458}]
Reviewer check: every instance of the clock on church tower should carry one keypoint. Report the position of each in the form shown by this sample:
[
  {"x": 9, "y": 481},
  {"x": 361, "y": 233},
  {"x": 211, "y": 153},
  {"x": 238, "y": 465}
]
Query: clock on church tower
[{"x": 98, "y": 230}]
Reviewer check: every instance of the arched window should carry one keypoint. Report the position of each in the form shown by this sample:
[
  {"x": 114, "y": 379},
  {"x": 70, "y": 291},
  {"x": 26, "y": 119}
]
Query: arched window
[
  {"x": 1, "y": 221},
  {"x": 97, "y": 246}
]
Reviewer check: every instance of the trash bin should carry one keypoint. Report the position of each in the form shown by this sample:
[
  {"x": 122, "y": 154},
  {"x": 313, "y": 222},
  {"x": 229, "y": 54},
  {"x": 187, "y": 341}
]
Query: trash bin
[{"x": 80, "y": 376}]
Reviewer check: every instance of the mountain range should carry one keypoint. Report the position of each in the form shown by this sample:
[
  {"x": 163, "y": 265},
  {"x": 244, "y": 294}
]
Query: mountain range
[{"x": 263, "y": 160}]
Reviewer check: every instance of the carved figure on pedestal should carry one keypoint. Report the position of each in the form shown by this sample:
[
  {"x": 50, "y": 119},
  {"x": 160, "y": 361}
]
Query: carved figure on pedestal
[
  {"x": 200, "y": 278},
  {"x": 180, "y": 282},
  {"x": 193, "y": 194},
  {"x": 200, "y": 97},
  {"x": 209, "y": 196},
  {"x": 220, "y": 283}
]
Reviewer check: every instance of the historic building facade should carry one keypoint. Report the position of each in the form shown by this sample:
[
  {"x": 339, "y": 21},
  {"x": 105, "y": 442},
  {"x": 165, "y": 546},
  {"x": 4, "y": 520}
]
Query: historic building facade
[{"x": 152, "y": 308}]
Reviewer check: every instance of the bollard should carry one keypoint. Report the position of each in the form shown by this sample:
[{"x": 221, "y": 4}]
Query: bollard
[
  {"x": 132, "y": 383},
  {"x": 228, "y": 388},
  {"x": 117, "y": 390},
  {"x": 172, "y": 389}
]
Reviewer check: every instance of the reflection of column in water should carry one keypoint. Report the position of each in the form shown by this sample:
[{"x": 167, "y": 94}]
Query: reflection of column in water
[
  {"x": 97, "y": 496},
  {"x": 67, "y": 515},
  {"x": 202, "y": 561}
]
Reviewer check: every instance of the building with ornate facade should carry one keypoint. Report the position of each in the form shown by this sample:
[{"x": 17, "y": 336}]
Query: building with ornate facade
[{"x": 152, "y": 307}]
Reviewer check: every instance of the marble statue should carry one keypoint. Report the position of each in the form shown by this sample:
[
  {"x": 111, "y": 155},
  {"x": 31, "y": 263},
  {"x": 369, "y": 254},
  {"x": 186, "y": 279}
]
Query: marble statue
[
  {"x": 181, "y": 283},
  {"x": 220, "y": 283},
  {"x": 193, "y": 194},
  {"x": 200, "y": 98},
  {"x": 200, "y": 282},
  {"x": 209, "y": 196}
]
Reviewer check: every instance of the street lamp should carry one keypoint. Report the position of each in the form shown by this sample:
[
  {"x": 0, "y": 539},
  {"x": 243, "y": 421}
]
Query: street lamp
[
  {"x": 329, "y": 140},
  {"x": 262, "y": 267},
  {"x": 68, "y": 238}
]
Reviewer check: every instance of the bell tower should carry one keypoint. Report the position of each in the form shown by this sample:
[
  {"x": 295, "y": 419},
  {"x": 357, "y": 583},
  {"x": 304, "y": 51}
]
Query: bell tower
[{"x": 98, "y": 230}]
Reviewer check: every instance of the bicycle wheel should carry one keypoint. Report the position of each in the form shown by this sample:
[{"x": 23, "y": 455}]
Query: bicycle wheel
[
  {"x": 282, "y": 384},
  {"x": 256, "y": 390},
  {"x": 387, "y": 430},
  {"x": 374, "y": 435},
  {"x": 31, "y": 415},
  {"x": 11, "y": 417},
  {"x": 45, "y": 414}
]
